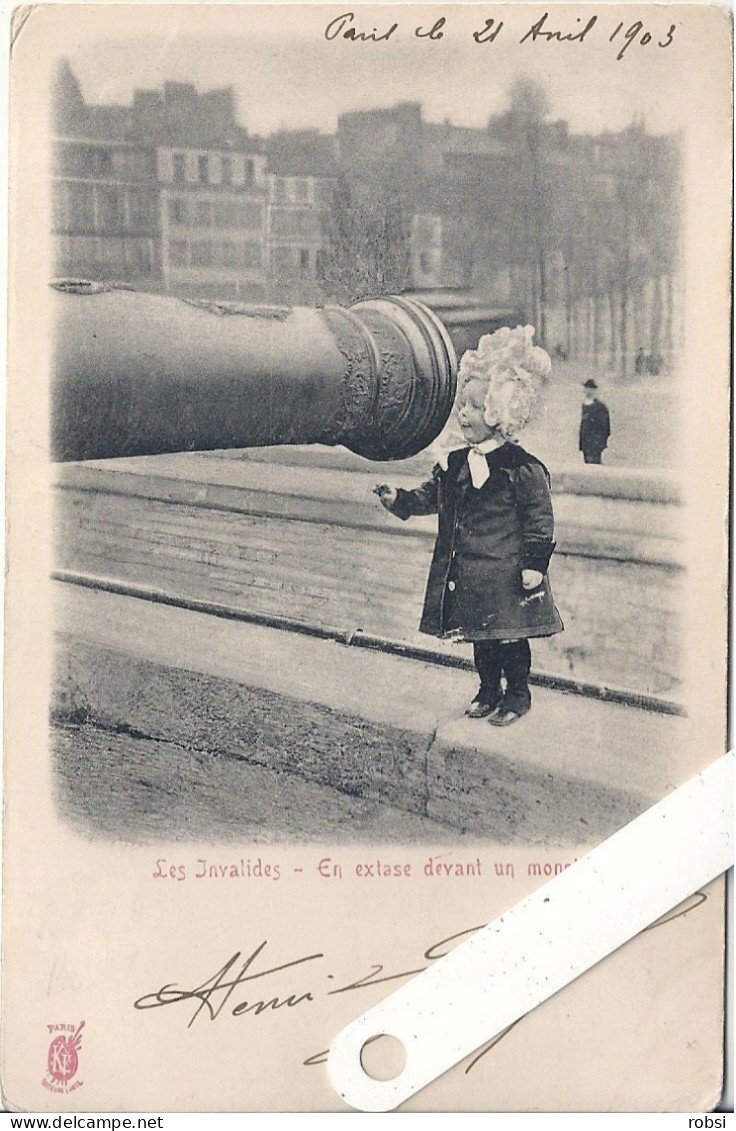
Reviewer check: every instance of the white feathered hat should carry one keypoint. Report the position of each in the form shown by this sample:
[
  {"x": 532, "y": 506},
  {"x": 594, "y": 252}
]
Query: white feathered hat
[{"x": 504, "y": 376}]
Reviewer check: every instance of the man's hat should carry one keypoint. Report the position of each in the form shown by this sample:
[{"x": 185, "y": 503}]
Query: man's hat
[{"x": 590, "y": 384}]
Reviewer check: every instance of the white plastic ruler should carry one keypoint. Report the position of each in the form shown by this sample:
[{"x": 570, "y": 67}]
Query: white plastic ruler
[{"x": 544, "y": 942}]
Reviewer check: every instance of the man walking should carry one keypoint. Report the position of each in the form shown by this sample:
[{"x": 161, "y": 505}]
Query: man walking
[{"x": 595, "y": 425}]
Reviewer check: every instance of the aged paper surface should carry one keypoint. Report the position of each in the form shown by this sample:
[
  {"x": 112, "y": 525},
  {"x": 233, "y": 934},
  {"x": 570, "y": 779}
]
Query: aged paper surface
[{"x": 259, "y": 805}]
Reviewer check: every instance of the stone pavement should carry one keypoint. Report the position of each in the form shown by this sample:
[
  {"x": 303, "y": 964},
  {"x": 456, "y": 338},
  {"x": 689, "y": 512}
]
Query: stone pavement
[{"x": 341, "y": 741}]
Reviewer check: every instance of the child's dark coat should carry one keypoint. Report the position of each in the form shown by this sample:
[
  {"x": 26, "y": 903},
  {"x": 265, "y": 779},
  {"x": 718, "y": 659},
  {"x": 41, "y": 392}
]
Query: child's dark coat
[{"x": 485, "y": 538}]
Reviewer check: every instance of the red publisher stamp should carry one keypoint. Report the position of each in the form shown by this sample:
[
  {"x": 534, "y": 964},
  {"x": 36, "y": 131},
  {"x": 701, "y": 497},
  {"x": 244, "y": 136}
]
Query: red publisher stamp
[{"x": 62, "y": 1061}]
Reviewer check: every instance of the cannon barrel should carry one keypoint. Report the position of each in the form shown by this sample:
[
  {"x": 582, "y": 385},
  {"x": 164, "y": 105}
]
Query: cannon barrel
[{"x": 141, "y": 374}]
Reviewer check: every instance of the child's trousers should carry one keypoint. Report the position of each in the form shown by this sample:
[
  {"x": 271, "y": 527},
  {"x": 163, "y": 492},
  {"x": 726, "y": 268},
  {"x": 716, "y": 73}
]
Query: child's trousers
[{"x": 509, "y": 658}]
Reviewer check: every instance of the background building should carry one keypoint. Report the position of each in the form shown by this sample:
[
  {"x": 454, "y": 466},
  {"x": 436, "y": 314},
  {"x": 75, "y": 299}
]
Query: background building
[
  {"x": 577, "y": 234},
  {"x": 106, "y": 220},
  {"x": 301, "y": 176},
  {"x": 213, "y": 223}
]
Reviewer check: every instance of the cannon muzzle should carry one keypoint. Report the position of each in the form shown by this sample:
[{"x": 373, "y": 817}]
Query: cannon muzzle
[{"x": 140, "y": 374}]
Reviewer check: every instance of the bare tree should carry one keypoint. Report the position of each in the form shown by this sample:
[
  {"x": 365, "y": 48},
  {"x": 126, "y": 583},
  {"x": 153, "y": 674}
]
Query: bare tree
[
  {"x": 524, "y": 125},
  {"x": 366, "y": 250}
]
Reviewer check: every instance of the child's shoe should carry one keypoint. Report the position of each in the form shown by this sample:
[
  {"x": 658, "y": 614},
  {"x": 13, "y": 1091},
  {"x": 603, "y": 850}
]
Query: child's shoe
[
  {"x": 503, "y": 716},
  {"x": 480, "y": 707}
]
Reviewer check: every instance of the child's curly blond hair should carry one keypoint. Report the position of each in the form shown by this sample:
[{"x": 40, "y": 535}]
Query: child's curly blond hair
[{"x": 504, "y": 376}]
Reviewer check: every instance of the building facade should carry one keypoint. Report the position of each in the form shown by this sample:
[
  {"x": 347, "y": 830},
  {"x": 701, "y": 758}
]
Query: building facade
[
  {"x": 579, "y": 233},
  {"x": 106, "y": 213},
  {"x": 297, "y": 210},
  {"x": 213, "y": 223}
]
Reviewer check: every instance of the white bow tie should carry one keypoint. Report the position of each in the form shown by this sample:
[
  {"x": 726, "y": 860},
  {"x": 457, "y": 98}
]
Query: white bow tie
[
  {"x": 478, "y": 466},
  {"x": 477, "y": 463}
]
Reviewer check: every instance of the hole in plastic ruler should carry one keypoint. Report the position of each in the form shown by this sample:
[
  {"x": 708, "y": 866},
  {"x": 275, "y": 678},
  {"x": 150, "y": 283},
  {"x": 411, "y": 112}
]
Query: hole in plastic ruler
[{"x": 383, "y": 1057}]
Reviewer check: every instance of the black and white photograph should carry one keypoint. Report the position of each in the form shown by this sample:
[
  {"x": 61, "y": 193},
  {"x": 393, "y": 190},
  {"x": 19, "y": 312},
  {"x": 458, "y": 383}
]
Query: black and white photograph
[{"x": 369, "y": 379}]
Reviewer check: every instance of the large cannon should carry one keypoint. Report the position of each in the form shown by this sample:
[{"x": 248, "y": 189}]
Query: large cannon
[{"x": 141, "y": 374}]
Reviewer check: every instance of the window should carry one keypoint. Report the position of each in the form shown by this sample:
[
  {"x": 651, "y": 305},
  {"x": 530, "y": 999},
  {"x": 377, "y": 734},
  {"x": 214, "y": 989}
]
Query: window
[
  {"x": 308, "y": 223},
  {"x": 300, "y": 189},
  {"x": 249, "y": 214},
  {"x": 142, "y": 210},
  {"x": 225, "y": 214},
  {"x": 323, "y": 192},
  {"x": 295, "y": 222},
  {"x": 203, "y": 213},
  {"x": 178, "y": 210},
  {"x": 282, "y": 222},
  {"x": 80, "y": 216},
  {"x": 227, "y": 170},
  {"x": 280, "y": 190},
  {"x": 179, "y": 253},
  {"x": 139, "y": 256},
  {"x": 95, "y": 162},
  {"x": 111, "y": 209},
  {"x": 304, "y": 259},
  {"x": 202, "y": 253},
  {"x": 251, "y": 255},
  {"x": 100, "y": 162},
  {"x": 108, "y": 255},
  {"x": 84, "y": 253},
  {"x": 282, "y": 260},
  {"x": 249, "y": 168},
  {"x": 203, "y": 167},
  {"x": 230, "y": 254},
  {"x": 180, "y": 168},
  {"x": 131, "y": 165},
  {"x": 77, "y": 160}
]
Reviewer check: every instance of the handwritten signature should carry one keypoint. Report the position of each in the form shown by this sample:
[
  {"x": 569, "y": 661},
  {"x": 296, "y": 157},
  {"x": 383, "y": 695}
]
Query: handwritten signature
[{"x": 214, "y": 994}]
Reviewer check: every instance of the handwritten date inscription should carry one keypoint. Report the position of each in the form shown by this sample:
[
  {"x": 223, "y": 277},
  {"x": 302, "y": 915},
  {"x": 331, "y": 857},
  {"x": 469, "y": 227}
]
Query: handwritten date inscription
[{"x": 544, "y": 30}]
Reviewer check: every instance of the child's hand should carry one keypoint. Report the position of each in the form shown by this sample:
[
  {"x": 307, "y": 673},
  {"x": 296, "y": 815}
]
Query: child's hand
[
  {"x": 531, "y": 578},
  {"x": 386, "y": 495}
]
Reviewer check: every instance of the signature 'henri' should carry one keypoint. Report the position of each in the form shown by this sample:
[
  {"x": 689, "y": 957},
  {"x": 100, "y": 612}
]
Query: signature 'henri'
[{"x": 218, "y": 991}]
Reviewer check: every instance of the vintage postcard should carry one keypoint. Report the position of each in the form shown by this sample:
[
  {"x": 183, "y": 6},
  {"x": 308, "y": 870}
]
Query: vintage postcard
[{"x": 368, "y": 450}]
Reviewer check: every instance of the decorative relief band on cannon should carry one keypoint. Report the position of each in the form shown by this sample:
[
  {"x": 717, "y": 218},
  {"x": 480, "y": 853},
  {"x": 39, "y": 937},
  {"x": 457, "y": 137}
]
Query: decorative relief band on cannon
[{"x": 140, "y": 374}]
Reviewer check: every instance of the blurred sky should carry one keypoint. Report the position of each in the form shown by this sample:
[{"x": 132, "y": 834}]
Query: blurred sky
[{"x": 287, "y": 74}]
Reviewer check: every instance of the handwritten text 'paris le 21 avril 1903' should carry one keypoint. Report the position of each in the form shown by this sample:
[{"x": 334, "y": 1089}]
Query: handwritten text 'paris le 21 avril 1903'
[{"x": 621, "y": 35}]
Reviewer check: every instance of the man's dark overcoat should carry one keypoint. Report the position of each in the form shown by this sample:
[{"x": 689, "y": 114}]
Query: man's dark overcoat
[
  {"x": 486, "y": 536},
  {"x": 595, "y": 428}
]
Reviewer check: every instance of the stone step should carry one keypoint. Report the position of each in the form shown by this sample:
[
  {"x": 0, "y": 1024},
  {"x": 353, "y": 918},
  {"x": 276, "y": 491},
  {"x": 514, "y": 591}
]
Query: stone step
[
  {"x": 316, "y": 546},
  {"x": 640, "y": 525}
]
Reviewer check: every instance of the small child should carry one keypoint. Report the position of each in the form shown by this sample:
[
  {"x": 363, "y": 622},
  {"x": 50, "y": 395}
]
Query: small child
[{"x": 488, "y": 580}]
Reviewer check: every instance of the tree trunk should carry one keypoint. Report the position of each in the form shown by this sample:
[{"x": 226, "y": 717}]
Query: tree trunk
[
  {"x": 614, "y": 327},
  {"x": 542, "y": 296},
  {"x": 640, "y": 320},
  {"x": 669, "y": 344},
  {"x": 596, "y": 318},
  {"x": 534, "y": 297},
  {"x": 568, "y": 310},
  {"x": 623, "y": 356},
  {"x": 657, "y": 312}
]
